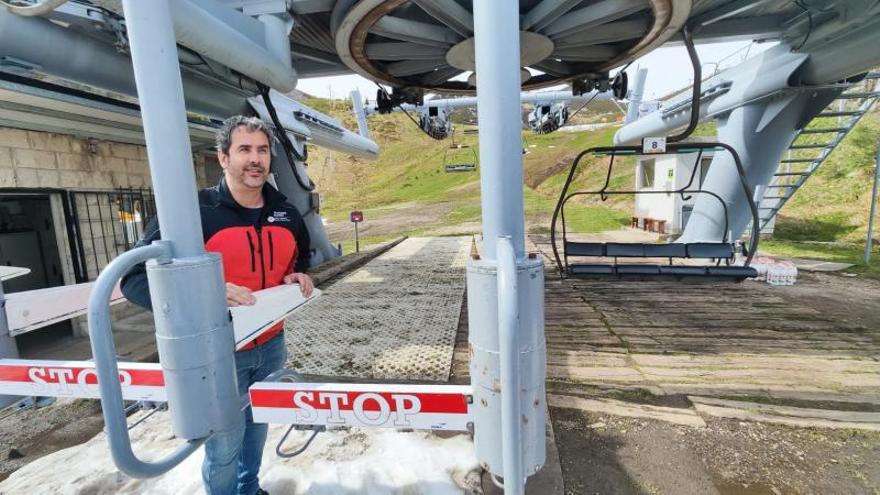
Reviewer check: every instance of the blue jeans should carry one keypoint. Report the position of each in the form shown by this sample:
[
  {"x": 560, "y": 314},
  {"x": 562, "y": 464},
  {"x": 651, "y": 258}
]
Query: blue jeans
[{"x": 232, "y": 459}]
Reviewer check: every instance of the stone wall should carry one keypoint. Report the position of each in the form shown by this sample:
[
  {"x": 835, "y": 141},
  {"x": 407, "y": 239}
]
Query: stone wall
[
  {"x": 42, "y": 160},
  {"x": 35, "y": 159}
]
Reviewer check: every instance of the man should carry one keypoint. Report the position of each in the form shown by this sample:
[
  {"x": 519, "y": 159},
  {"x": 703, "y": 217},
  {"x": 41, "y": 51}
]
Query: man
[{"x": 264, "y": 243}]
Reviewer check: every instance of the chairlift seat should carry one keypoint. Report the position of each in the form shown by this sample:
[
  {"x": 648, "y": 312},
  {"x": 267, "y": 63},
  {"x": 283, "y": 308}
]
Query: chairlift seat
[
  {"x": 665, "y": 251},
  {"x": 625, "y": 250},
  {"x": 683, "y": 270},
  {"x": 638, "y": 269},
  {"x": 719, "y": 250},
  {"x": 590, "y": 269},
  {"x": 738, "y": 272},
  {"x": 584, "y": 248}
]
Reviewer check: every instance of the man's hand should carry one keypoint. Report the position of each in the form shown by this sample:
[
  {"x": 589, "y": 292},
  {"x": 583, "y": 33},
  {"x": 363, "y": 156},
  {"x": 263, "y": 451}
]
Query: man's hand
[
  {"x": 305, "y": 282},
  {"x": 237, "y": 295}
]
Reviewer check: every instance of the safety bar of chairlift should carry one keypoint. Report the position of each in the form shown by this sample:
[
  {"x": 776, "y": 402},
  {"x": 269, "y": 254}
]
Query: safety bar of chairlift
[
  {"x": 508, "y": 329},
  {"x": 104, "y": 353},
  {"x": 675, "y": 148}
]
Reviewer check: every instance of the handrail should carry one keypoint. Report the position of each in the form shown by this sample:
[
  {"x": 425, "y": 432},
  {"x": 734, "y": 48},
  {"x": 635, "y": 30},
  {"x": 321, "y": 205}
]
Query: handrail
[
  {"x": 674, "y": 148},
  {"x": 104, "y": 354}
]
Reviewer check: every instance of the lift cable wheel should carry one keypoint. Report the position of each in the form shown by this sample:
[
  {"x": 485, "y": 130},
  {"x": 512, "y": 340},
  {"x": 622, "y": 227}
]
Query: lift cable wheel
[{"x": 389, "y": 101}]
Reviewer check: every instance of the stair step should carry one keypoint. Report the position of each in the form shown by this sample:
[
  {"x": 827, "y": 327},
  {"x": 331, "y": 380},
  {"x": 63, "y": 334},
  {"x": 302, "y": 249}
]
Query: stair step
[
  {"x": 786, "y": 174},
  {"x": 825, "y": 131},
  {"x": 781, "y": 186},
  {"x": 840, "y": 114},
  {"x": 775, "y": 197},
  {"x": 798, "y": 160},
  {"x": 808, "y": 146}
]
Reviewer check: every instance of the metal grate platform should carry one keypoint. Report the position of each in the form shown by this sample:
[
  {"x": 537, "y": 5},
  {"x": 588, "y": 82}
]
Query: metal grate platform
[{"x": 395, "y": 317}]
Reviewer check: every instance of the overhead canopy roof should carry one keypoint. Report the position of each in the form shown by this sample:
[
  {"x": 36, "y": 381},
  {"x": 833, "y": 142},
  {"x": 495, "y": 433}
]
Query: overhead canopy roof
[{"x": 429, "y": 43}]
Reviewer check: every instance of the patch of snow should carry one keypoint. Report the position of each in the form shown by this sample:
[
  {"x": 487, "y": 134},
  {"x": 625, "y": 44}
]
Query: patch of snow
[{"x": 355, "y": 461}]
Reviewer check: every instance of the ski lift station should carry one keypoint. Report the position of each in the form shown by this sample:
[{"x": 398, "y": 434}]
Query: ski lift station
[{"x": 483, "y": 363}]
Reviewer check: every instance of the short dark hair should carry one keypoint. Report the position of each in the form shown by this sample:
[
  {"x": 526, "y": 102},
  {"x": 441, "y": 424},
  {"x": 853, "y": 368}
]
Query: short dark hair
[{"x": 252, "y": 124}]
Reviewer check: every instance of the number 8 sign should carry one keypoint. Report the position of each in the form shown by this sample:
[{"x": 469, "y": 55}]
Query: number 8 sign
[{"x": 654, "y": 145}]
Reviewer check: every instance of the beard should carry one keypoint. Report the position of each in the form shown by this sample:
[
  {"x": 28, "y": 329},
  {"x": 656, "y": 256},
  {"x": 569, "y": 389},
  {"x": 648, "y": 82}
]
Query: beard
[{"x": 249, "y": 178}]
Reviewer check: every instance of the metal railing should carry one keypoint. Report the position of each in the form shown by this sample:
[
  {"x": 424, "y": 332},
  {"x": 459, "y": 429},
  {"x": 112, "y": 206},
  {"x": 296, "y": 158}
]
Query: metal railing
[{"x": 103, "y": 224}]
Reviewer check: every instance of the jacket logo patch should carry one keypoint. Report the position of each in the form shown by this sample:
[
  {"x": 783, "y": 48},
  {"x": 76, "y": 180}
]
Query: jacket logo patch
[{"x": 278, "y": 216}]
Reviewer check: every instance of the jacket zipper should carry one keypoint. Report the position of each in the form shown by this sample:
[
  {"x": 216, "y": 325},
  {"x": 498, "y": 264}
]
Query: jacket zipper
[
  {"x": 259, "y": 230},
  {"x": 253, "y": 254},
  {"x": 271, "y": 252}
]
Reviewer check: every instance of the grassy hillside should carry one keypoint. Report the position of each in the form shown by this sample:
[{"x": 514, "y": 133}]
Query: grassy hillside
[
  {"x": 407, "y": 191},
  {"x": 828, "y": 217}
]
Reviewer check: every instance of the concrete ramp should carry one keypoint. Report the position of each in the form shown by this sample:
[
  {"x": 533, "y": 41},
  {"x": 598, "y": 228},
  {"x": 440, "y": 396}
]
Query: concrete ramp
[{"x": 394, "y": 318}]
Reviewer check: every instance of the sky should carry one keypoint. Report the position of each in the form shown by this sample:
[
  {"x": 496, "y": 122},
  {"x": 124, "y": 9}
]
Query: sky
[{"x": 669, "y": 69}]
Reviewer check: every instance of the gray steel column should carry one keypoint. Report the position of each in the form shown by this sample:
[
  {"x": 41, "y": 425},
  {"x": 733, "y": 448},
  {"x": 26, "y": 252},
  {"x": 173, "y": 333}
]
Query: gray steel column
[
  {"x": 505, "y": 306},
  {"x": 760, "y": 132},
  {"x": 193, "y": 330},
  {"x": 635, "y": 98},
  {"x": 496, "y": 37},
  {"x": 873, "y": 208},
  {"x": 160, "y": 94},
  {"x": 8, "y": 349}
]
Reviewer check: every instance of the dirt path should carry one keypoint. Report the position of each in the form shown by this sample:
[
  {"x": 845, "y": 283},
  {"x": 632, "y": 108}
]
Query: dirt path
[
  {"x": 617, "y": 455},
  {"x": 388, "y": 221}
]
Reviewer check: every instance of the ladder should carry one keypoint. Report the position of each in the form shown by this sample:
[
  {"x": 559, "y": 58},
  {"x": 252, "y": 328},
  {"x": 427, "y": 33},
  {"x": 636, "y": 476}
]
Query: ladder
[{"x": 812, "y": 146}]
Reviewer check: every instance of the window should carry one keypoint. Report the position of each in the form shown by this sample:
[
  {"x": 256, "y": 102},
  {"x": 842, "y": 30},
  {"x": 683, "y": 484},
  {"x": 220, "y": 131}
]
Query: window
[{"x": 646, "y": 176}]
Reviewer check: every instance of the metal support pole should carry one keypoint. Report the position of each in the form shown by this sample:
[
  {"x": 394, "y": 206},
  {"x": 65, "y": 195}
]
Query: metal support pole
[
  {"x": 505, "y": 313},
  {"x": 635, "y": 98},
  {"x": 496, "y": 37},
  {"x": 193, "y": 332},
  {"x": 357, "y": 239},
  {"x": 873, "y": 208},
  {"x": 160, "y": 94},
  {"x": 8, "y": 348},
  {"x": 107, "y": 369},
  {"x": 508, "y": 328}
]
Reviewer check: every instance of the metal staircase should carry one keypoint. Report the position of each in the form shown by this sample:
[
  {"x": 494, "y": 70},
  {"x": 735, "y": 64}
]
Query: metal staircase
[{"x": 811, "y": 147}]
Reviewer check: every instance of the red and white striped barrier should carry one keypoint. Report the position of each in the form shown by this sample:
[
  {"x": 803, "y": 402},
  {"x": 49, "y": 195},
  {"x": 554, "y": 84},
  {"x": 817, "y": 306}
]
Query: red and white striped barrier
[
  {"x": 423, "y": 407},
  {"x": 140, "y": 381}
]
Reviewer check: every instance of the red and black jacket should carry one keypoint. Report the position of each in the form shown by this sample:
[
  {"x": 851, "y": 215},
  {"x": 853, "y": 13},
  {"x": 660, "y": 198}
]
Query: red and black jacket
[{"x": 256, "y": 254}]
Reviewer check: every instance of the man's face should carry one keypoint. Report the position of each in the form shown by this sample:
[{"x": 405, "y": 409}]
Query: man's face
[{"x": 247, "y": 163}]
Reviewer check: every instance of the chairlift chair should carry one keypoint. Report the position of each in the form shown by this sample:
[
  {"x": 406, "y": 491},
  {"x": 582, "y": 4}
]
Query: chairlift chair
[
  {"x": 720, "y": 253},
  {"x": 452, "y": 157}
]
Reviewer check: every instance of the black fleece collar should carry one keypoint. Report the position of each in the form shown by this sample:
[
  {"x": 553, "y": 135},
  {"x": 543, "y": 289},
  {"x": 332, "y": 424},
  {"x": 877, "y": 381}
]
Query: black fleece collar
[{"x": 271, "y": 196}]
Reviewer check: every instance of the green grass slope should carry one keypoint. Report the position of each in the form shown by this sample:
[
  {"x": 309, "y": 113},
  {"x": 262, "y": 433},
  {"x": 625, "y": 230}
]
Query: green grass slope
[
  {"x": 407, "y": 191},
  {"x": 828, "y": 217},
  {"x": 408, "y": 185}
]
